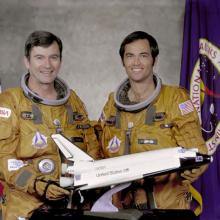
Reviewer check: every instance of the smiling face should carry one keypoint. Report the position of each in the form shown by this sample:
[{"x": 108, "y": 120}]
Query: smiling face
[
  {"x": 43, "y": 64},
  {"x": 138, "y": 61}
]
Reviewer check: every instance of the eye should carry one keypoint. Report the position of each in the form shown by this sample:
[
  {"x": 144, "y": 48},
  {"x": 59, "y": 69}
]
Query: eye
[
  {"x": 55, "y": 57},
  {"x": 144, "y": 55},
  {"x": 129, "y": 55},
  {"x": 39, "y": 57}
]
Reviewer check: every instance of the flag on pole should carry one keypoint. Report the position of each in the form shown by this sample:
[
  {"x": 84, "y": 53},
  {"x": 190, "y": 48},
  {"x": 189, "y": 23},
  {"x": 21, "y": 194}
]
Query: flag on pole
[{"x": 200, "y": 74}]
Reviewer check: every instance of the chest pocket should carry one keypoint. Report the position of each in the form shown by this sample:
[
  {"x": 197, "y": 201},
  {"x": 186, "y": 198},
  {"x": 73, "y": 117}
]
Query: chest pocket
[
  {"x": 75, "y": 127},
  {"x": 154, "y": 133},
  {"x": 5, "y": 128},
  {"x": 113, "y": 136},
  {"x": 142, "y": 135},
  {"x": 60, "y": 119}
]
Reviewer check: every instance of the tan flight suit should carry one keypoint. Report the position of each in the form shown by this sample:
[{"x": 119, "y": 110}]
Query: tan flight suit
[
  {"x": 160, "y": 125},
  {"x": 25, "y": 136}
]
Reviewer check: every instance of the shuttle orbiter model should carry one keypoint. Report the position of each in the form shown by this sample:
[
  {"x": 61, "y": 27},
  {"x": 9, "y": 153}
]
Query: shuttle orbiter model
[{"x": 88, "y": 173}]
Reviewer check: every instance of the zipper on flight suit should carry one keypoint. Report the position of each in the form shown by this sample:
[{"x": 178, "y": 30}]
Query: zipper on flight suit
[
  {"x": 58, "y": 127},
  {"x": 128, "y": 137}
]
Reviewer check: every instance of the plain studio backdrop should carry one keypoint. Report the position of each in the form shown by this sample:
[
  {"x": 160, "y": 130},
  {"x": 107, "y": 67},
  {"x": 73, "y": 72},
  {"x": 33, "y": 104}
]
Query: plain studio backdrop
[{"x": 91, "y": 31}]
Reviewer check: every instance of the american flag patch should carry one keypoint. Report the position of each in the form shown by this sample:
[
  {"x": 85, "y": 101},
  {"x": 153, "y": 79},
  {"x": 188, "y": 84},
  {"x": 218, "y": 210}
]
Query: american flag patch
[{"x": 186, "y": 107}]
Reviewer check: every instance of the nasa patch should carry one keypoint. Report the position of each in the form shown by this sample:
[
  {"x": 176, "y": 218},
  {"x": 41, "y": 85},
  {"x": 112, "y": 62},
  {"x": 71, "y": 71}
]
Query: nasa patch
[
  {"x": 114, "y": 145},
  {"x": 5, "y": 112},
  {"x": 46, "y": 166},
  {"x": 39, "y": 140}
]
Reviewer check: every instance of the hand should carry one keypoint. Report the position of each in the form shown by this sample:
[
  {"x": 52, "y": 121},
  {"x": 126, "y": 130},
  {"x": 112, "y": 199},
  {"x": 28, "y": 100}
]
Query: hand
[
  {"x": 192, "y": 175},
  {"x": 161, "y": 178},
  {"x": 140, "y": 182},
  {"x": 49, "y": 189},
  {"x": 140, "y": 197}
]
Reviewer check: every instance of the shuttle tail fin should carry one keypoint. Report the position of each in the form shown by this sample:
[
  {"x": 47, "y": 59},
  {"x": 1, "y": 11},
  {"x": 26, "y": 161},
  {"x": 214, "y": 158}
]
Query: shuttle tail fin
[{"x": 70, "y": 150}]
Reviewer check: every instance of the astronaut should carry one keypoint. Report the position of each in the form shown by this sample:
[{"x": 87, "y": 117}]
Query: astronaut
[
  {"x": 30, "y": 162},
  {"x": 142, "y": 115}
]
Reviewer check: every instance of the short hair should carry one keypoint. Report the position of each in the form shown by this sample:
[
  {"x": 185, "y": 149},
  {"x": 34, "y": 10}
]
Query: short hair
[
  {"x": 139, "y": 35},
  {"x": 41, "y": 38}
]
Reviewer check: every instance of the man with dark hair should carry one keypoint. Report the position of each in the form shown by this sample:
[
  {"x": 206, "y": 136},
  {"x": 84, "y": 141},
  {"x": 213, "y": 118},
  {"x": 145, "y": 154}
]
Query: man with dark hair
[
  {"x": 30, "y": 162},
  {"x": 41, "y": 38},
  {"x": 143, "y": 115},
  {"x": 140, "y": 35}
]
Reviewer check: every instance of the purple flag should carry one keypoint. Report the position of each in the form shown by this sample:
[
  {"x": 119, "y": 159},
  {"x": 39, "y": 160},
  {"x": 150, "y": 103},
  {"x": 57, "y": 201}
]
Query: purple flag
[{"x": 200, "y": 74}]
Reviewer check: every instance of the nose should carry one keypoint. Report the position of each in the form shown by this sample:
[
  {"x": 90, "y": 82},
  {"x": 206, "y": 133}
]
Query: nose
[
  {"x": 47, "y": 63},
  {"x": 137, "y": 60}
]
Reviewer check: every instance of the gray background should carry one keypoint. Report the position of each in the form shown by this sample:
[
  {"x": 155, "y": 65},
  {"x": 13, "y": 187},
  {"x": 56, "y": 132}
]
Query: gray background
[{"x": 92, "y": 31}]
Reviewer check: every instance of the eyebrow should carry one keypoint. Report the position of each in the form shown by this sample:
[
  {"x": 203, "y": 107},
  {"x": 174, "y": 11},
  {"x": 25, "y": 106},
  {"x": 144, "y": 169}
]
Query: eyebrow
[
  {"x": 145, "y": 53},
  {"x": 36, "y": 55},
  {"x": 142, "y": 53},
  {"x": 42, "y": 55},
  {"x": 129, "y": 53}
]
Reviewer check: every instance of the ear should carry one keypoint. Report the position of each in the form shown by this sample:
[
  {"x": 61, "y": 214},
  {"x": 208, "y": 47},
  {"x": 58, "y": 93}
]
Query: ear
[
  {"x": 26, "y": 62},
  {"x": 155, "y": 61},
  {"x": 122, "y": 62}
]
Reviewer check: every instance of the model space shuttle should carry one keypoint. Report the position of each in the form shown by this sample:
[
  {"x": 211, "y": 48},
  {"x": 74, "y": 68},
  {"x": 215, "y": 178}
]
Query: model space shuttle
[{"x": 86, "y": 173}]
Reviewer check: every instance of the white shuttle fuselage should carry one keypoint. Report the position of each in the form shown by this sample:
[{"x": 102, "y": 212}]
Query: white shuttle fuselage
[{"x": 89, "y": 173}]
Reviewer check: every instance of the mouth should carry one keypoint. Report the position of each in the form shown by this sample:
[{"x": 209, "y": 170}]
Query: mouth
[
  {"x": 46, "y": 72},
  {"x": 137, "y": 70}
]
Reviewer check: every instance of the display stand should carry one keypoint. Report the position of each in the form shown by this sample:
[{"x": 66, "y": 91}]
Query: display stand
[{"x": 127, "y": 214}]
